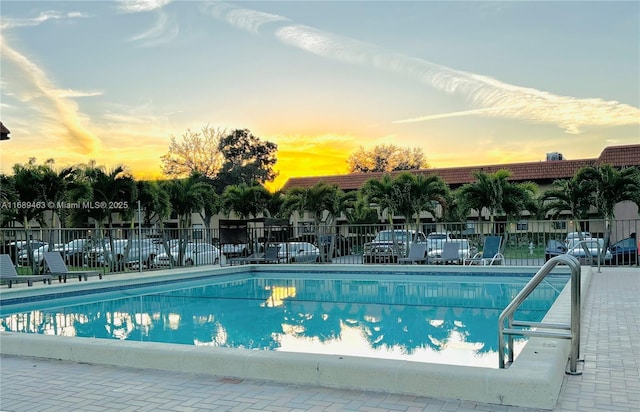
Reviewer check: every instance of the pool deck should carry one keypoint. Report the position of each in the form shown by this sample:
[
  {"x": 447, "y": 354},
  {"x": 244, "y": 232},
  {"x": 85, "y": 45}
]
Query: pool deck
[{"x": 610, "y": 380}]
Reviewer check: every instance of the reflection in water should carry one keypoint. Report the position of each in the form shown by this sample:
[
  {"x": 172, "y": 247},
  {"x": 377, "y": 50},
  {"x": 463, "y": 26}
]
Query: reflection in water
[{"x": 435, "y": 321}]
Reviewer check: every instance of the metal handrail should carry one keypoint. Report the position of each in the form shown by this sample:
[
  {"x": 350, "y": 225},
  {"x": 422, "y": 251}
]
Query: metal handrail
[
  {"x": 571, "y": 331},
  {"x": 584, "y": 242}
]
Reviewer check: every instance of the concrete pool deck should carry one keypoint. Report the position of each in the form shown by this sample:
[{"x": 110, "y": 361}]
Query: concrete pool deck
[{"x": 610, "y": 379}]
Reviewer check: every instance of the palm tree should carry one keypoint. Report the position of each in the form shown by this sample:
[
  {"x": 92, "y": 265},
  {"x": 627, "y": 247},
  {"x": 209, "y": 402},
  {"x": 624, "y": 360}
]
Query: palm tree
[
  {"x": 361, "y": 213},
  {"x": 57, "y": 186},
  {"x": 485, "y": 193},
  {"x": 211, "y": 205},
  {"x": 322, "y": 201},
  {"x": 8, "y": 195},
  {"x": 28, "y": 190},
  {"x": 154, "y": 200},
  {"x": 382, "y": 192},
  {"x": 493, "y": 192},
  {"x": 610, "y": 186},
  {"x": 568, "y": 195},
  {"x": 246, "y": 201},
  {"x": 274, "y": 204},
  {"x": 339, "y": 202},
  {"x": 431, "y": 191},
  {"x": 186, "y": 197},
  {"x": 111, "y": 192}
]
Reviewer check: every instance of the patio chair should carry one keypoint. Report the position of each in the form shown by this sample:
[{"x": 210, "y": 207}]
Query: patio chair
[
  {"x": 417, "y": 254},
  {"x": 9, "y": 275},
  {"x": 270, "y": 256},
  {"x": 450, "y": 252},
  {"x": 56, "y": 267},
  {"x": 490, "y": 254}
]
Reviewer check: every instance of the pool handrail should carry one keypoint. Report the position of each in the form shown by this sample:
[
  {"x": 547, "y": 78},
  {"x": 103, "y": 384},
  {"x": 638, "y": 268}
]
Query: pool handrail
[{"x": 562, "y": 331}]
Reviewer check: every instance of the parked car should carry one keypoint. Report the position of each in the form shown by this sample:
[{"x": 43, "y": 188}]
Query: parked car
[
  {"x": 341, "y": 245},
  {"x": 14, "y": 249},
  {"x": 389, "y": 245},
  {"x": 73, "y": 253},
  {"x": 126, "y": 252},
  {"x": 195, "y": 253},
  {"x": 36, "y": 253},
  {"x": 573, "y": 237},
  {"x": 464, "y": 252},
  {"x": 576, "y": 249},
  {"x": 298, "y": 252},
  {"x": 436, "y": 239},
  {"x": 625, "y": 251}
]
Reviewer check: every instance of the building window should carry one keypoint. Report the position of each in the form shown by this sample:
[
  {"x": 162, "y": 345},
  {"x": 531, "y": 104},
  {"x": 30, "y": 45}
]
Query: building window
[
  {"x": 560, "y": 225},
  {"x": 523, "y": 226}
]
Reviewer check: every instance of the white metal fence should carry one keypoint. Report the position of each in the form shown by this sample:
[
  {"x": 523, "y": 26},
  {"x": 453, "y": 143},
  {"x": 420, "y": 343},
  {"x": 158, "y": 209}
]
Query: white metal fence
[{"x": 525, "y": 242}]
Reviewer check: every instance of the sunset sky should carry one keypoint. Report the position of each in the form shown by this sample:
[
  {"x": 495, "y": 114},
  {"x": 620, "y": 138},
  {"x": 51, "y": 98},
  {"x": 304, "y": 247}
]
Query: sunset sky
[{"x": 471, "y": 83}]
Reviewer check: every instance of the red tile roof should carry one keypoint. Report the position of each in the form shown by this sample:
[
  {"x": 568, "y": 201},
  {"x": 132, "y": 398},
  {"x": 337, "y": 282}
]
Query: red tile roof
[{"x": 539, "y": 172}]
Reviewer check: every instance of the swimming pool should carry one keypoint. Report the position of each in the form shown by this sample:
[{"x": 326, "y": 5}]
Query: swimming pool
[
  {"x": 450, "y": 319},
  {"x": 533, "y": 380}
]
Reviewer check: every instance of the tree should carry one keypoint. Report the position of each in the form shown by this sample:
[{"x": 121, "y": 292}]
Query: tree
[
  {"x": 362, "y": 213},
  {"x": 8, "y": 195},
  {"x": 610, "y": 186},
  {"x": 432, "y": 191},
  {"x": 275, "y": 203},
  {"x": 57, "y": 187},
  {"x": 28, "y": 190},
  {"x": 386, "y": 158},
  {"x": 196, "y": 152},
  {"x": 323, "y": 201},
  {"x": 484, "y": 193},
  {"x": 315, "y": 200},
  {"x": 186, "y": 197},
  {"x": 112, "y": 192},
  {"x": 382, "y": 192},
  {"x": 155, "y": 202},
  {"x": 247, "y": 159},
  {"x": 567, "y": 195},
  {"x": 493, "y": 192},
  {"x": 246, "y": 201},
  {"x": 211, "y": 205}
]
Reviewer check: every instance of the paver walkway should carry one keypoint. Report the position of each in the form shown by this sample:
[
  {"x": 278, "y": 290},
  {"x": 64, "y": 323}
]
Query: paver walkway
[{"x": 610, "y": 379}]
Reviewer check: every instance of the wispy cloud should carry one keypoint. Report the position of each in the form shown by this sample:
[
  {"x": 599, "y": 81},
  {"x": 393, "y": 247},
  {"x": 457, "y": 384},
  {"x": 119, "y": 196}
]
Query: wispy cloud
[
  {"x": 56, "y": 105},
  {"x": 9, "y": 23},
  {"x": 137, "y": 6},
  {"x": 164, "y": 31},
  {"x": 245, "y": 19},
  {"x": 485, "y": 95}
]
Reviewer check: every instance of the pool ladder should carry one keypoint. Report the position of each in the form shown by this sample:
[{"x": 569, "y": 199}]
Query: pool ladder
[{"x": 545, "y": 330}]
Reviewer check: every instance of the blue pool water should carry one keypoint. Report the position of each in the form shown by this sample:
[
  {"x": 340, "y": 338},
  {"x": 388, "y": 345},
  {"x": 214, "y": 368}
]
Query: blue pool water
[{"x": 445, "y": 318}]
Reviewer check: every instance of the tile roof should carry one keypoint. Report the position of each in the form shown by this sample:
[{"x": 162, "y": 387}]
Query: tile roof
[{"x": 539, "y": 172}]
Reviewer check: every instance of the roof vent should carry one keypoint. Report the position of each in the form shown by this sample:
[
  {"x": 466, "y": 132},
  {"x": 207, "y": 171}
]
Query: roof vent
[{"x": 554, "y": 156}]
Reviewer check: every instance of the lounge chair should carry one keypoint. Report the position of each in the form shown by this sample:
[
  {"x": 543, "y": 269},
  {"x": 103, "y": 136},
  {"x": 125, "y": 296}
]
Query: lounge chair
[
  {"x": 56, "y": 267},
  {"x": 270, "y": 256},
  {"x": 490, "y": 254},
  {"x": 450, "y": 253},
  {"x": 417, "y": 254},
  {"x": 9, "y": 275}
]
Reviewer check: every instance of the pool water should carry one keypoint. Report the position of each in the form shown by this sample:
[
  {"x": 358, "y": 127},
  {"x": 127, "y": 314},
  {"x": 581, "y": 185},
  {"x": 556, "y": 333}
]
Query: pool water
[{"x": 448, "y": 319}]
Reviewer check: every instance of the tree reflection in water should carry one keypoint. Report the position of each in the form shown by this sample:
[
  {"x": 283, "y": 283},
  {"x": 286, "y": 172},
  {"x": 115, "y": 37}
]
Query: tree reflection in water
[{"x": 256, "y": 313}]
